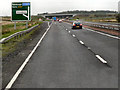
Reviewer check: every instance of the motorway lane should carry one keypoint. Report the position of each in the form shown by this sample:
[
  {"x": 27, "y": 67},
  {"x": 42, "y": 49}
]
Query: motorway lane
[
  {"x": 105, "y": 46},
  {"x": 100, "y": 44},
  {"x": 61, "y": 62}
]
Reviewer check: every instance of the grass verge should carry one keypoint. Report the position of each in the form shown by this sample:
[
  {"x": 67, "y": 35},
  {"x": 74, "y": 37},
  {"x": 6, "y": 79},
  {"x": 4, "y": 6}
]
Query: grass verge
[
  {"x": 11, "y": 45},
  {"x": 8, "y": 30},
  {"x": 98, "y": 19}
]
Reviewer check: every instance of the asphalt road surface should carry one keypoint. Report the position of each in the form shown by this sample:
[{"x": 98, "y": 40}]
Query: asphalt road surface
[{"x": 62, "y": 62}]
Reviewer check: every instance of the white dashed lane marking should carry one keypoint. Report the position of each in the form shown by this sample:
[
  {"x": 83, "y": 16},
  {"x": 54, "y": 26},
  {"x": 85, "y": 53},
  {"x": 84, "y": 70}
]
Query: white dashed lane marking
[
  {"x": 97, "y": 56},
  {"x": 101, "y": 59},
  {"x": 73, "y": 35},
  {"x": 81, "y": 42},
  {"x": 115, "y": 37}
]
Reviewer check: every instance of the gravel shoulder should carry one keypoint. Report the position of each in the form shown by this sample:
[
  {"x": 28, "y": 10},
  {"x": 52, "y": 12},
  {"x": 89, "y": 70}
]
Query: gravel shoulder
[{"x": 13, "y": 61}]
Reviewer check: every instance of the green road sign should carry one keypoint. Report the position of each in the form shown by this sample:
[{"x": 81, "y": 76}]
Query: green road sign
[{"x": 21, "y": 11}]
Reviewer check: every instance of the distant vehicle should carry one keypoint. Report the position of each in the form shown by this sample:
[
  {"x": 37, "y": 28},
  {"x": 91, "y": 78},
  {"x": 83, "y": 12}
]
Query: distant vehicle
[
  {"x": 77, "y": 25},
  {"x": 60, "y": 21},
  {"x": 47, "y": 18},
  {"x": 40, "y": 19},
  {"x": 57, "y": 19},
  {"x": 67, "y": 18},
  {"x": 54, "y": 18}
]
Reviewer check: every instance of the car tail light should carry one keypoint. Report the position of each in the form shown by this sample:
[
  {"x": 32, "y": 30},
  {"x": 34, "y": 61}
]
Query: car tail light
[
  {"x": 73, "y": 24},
  {"x": 80, "y": 24}
]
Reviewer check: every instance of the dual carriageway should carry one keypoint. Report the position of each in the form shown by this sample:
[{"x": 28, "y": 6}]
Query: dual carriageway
[{"x": 66, "y": 58}]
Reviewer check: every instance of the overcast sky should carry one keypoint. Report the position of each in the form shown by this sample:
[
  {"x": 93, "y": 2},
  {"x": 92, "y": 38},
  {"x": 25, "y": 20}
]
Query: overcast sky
[{"x": 41, "y": 6}]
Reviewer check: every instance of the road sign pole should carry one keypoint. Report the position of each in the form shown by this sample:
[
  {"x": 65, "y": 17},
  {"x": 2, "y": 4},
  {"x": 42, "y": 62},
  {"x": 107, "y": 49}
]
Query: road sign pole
[
  {"x": 14, "y": 25},
  {"x": 26, "y": 24}
]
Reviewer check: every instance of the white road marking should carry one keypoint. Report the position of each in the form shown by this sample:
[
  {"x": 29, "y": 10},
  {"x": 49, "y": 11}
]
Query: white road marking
[
  {"x": 69, "y": 31},
  {"x": 102, "y": 33},
  {"x": 89, "y": 48},
  {"x": 48, "y": 24},
  {"x": 73, "y": 35},
  {"x": 66, "y": 29},
  {"x": 101, "y": 59},
  {"x": 9, "y": 85},
  {"x": 81, "y": 42},
  {"x": 98, "y": 56}
]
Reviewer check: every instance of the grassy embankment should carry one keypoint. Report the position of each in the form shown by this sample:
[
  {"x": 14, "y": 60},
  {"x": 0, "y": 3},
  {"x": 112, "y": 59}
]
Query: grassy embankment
[
  {"x": 8, "y": 29},
  {"x": 93, "y": 18}
]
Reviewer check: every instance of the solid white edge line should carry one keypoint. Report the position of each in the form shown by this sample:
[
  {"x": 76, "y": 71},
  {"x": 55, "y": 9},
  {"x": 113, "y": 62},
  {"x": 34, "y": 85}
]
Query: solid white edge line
[
  {"x": 9, "y": 85},
  {"x": 81, "y": 42},
  {"x": 101, "y": 59},
  {"x": 99, "y": 32},
  {"x": 89, "y": 48},
  {"x": 98, "y": 56},
  {"x": 102, "y": 33}
]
